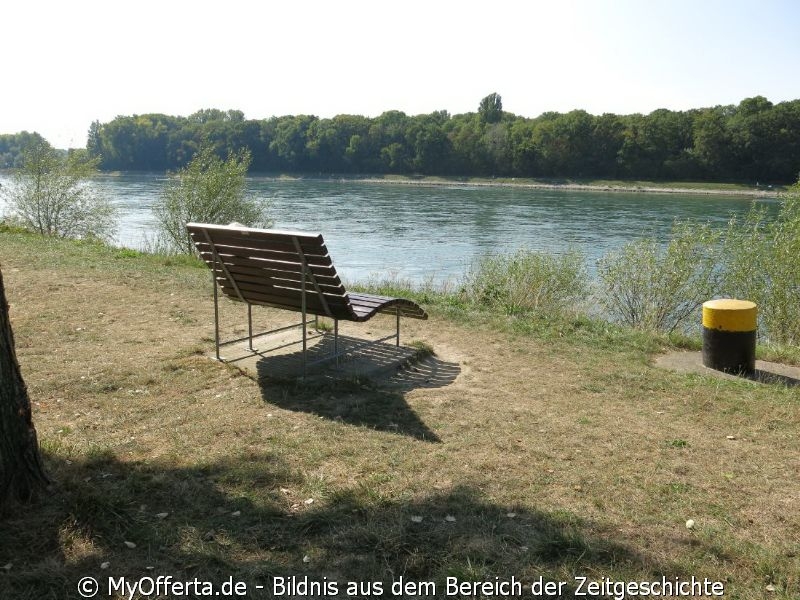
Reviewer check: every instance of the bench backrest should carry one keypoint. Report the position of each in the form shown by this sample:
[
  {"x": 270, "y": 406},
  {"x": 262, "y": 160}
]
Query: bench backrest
[{"x": 271, "y": 267}]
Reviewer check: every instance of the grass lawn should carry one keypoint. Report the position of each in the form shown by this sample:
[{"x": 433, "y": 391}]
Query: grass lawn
[{"x": 557, "y": 451}]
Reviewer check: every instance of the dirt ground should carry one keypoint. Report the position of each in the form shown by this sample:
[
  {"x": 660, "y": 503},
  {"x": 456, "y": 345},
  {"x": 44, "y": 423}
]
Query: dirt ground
[{"x": 581, "y": 427}]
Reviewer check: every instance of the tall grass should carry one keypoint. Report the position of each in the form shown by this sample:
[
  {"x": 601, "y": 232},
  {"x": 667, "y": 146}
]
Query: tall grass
[
  {"x": 527, "y": 282},
  {"x": 521, "y": 283},
  {"x": 653, "y": 287},
  {"x": 761, "y": 262}
]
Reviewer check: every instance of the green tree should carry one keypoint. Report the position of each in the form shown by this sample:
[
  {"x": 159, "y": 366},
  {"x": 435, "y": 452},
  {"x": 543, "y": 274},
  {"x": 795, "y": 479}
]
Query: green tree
[
  {"x": 290, "y": 141},
  {"x": 12, "y": 148},
  {"x": 207, "y": 190},
  {"x": 491, "y": 108},
  {"x": 52, "y": 196}
]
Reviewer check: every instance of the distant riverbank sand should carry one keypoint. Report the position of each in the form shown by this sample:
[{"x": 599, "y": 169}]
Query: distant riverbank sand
[{"x": 578, "y": 187}]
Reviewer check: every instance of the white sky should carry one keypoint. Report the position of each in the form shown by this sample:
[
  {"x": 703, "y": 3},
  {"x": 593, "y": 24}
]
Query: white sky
[{"x": 65, "y": 64}]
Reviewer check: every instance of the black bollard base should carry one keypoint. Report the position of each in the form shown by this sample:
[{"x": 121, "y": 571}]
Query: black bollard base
[{"x": 729, "y": 351}]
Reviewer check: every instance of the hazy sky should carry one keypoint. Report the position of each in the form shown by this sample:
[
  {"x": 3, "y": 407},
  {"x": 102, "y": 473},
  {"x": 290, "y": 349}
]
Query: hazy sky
[{"x": 65, "y": 64}]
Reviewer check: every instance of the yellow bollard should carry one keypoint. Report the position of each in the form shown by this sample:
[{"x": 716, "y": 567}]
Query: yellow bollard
[{"x": 729, "y": 335}]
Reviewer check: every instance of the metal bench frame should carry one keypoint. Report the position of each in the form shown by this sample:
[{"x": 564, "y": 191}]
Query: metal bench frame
[{"x": 351, "y": 307}]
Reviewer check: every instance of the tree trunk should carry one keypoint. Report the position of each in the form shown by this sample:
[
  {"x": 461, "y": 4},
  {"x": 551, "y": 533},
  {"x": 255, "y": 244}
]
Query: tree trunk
[{"x": 22, "y": 473}]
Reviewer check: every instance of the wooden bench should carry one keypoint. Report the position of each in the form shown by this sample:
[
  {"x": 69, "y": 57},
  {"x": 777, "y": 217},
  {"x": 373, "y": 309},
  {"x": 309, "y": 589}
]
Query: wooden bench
[{"x": 291, "y": 270}]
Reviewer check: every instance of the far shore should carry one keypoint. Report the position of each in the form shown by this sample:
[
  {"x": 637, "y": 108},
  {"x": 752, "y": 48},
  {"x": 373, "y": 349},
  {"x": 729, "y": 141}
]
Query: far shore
[
  {"x": 709, "y": 189},
  {"x": 638, "y": 187}
]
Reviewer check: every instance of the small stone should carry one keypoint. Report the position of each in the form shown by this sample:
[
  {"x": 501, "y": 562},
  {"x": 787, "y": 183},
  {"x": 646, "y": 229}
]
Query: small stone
[
  {"x": 306, "y": 559},
  {"x": 308, "y": 502},
  {"x": 731, "y": 437},
  {"x": 690, "y": 524},
  {"x": 162, "y": 515},
  {"x": 105, "y": 565},
  {"x": 416, "y": 519},
  {"x": 450, "y": 519},
  {"x": 770, "y": 588},
  {"x": 236, "y": 513},
  {"x": 130, "y": 545}
]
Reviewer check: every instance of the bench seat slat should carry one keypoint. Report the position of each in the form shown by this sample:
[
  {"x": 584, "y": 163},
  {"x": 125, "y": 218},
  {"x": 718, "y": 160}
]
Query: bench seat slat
[
  {"x": 291, "y": 267},
  {"x": 268, "y": 255},
  {"x": 287, "y": 292},
  {"x": 310, "y": 248},
  {"x": 313, "y": 304},
  {"x": 279, "y": 274},
  {"x": 260, "y": 279}
]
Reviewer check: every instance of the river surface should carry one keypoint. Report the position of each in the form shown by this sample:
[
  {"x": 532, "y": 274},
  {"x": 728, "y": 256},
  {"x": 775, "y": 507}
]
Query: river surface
[{"x": 425, "y": 233}]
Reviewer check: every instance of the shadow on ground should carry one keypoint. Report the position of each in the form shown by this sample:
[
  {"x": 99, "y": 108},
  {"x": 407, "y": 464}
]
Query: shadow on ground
[
  {"x": 366, "y": 390},
  {"x": 377, "y": 362},
  {"x": 766, "y": 372},
  {"x": 766, "y": 376},
  {"x": 245, "y": 519}
]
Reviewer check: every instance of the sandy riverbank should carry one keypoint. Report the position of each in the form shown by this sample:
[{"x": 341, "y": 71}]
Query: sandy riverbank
[{"x": 578, "y": 187}]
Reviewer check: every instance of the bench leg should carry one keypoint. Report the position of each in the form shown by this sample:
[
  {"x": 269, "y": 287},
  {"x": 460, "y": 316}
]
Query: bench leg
[
  {"x": 250, "y": 327},
  {"x": 336, "y": 340},
  {"x": 216, "y": 315}
]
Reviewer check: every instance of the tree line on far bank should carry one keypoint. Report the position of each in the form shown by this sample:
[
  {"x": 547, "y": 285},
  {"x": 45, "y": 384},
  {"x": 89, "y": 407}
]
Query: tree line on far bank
[{"x": 755, "y": 141}]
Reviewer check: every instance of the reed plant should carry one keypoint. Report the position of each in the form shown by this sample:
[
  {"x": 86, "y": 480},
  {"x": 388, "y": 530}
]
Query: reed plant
[
  {"x": 656, "y": 287},
  {"x": 759, "y": 259},
  {"x": 528, "y": 282}
]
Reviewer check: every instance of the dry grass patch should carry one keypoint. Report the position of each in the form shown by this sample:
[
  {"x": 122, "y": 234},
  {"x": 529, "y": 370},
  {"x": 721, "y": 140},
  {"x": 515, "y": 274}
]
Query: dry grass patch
[{"x": 557, "y": 451}]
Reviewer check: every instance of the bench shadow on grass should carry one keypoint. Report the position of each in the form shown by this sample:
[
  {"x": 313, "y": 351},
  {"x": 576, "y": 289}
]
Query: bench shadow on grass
[
  {"x": 246, "y": 519},
  {"x": 366, "y": 390}
]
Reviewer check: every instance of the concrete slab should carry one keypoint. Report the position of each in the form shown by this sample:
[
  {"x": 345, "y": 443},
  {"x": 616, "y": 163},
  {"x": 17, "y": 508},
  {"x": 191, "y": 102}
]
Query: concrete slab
[{"x": 766, "y": 372}]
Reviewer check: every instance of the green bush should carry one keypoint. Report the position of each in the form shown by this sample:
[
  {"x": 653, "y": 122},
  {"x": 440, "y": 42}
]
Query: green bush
[
  {"x": 51, "y": 195},
  {"x": 528, "y": 282},
  {"x": 207, "y": 190},
  {"x": 656, "y": 288},
  {"x": 760, "y": 261}
]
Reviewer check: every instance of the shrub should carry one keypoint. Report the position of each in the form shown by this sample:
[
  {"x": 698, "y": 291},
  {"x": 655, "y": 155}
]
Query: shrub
[
  {"x": 528, "y": 282},
  {"x": 207, "y": 190},
  {"x": 760, "y": 263},
  {"x": 51, "y": 195},
  {"x": 657, "y": 288}
]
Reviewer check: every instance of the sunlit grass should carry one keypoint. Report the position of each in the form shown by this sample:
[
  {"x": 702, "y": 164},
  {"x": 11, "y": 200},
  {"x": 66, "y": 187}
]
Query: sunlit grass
[{"x": 555, "y": 450}]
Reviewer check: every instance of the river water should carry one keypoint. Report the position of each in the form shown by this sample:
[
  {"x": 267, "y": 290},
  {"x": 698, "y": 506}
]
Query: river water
[{"x": 427, "y": 233}]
